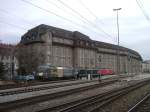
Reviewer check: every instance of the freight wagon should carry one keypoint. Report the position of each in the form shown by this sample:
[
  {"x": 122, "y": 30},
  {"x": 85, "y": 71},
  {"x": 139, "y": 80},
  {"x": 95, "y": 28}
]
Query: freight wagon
[
  {"x": 55, "y": 73},
  {"x": 94, "y": 72},
  {"x": 86, "y": 72}
]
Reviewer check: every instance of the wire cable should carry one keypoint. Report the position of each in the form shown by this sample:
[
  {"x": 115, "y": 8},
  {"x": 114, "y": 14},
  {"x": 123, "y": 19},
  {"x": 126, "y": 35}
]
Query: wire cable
[
  {"x": 81, "y": 2},
  {"x": 48, "y": 11},
  {"x": 21, "y": 18},
  {"x": 143, "y": 10},
  {"x": 89, "y": 22},
  {"x": 72, "y": 15},
  {"x": 13, "y": 25},
  {"x": 52, "y": 3},
  {"x": 53, "y": 13}
]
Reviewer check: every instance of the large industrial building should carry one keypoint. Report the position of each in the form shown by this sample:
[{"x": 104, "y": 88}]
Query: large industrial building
[{"x": 45, "y": 44}]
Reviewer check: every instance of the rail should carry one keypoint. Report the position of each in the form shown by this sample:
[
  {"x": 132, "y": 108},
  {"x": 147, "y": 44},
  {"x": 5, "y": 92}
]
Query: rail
[
  {"x": 93, "y": 104},
  {"x": 139, "y": 104},
  {"x": 27, "y": 101},
  {"x": 44, "y": 87}
]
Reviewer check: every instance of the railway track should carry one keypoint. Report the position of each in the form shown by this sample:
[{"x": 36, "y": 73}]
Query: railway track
[
  {"x": 94, "y": 104},
  {"x": 142, "y": 106},
  {"x": 4, "y": 107},
  {"x": 13, "y": 91},
  {"x": 19, "y": 85},
  {"x": 31, "y": 89}
]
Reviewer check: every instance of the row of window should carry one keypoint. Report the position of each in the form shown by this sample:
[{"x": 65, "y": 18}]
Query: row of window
[
  {"x": 4, "y": 57},
  {"x": 61, "y": 61},
  {"x": 62, "y": 51}
]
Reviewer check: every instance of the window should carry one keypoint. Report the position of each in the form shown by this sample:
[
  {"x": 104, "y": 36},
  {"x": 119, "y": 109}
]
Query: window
[{"x": 99, "y": 58}]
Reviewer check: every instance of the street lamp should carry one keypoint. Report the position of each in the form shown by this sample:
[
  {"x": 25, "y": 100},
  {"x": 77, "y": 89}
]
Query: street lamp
[{"x": 118, "y": 56}]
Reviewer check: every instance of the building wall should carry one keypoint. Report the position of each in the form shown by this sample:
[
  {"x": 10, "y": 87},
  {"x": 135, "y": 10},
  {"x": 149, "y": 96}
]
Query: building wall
[
  {"x": 7, "y": 57},
  {"x": 146, "y": 67},
  {"x": 62, "y": 56},
  {"x": 77, "y": 52},
  {"x": 85, "y": 58}
]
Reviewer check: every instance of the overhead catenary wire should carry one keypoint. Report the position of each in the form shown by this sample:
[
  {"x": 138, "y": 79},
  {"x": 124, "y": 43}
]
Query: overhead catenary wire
[
  {"x": 63, "y": 9},
  {"x": 143, "y": 10},
  {"x": 52, "y": 3},
  {"x": 13, "y": 25},
  {"x": 97, "y": 18},
  {"x": 21, "y": 18},
  {"x": 89, "y": 22},
  {"x": 48, "y": 11},
  {"x": 51, "y": 12}
]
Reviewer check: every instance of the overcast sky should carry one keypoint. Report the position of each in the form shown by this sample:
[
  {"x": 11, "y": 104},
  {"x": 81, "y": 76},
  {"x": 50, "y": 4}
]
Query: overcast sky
[{"x": 94, "y": 18}]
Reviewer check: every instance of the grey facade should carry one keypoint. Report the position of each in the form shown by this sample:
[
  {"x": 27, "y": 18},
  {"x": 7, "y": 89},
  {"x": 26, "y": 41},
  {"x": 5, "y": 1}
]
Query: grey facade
[
  {"x": 50, "y": 45},
  {"x": 146, "y": 66},
  {"x": 7, "y": 57}
]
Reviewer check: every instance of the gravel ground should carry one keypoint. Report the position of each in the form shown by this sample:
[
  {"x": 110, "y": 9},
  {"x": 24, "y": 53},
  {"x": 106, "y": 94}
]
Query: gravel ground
[
  {"x": 138, "y": 77},
  {"x": 71, "y": 98},
  {"x": 14, "y": 97},
  {"x": 144, "y": 107},
  {"x": 6, "y": 82},
  {"x": 68, "y": 98},
  {"x": 42, "y": 92},
  {"x": 43, "y": 85},
  {"x": 124, "y": 103}
]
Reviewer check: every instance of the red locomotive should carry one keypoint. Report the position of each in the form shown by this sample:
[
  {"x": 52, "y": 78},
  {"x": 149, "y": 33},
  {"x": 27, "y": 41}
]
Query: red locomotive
[{"x": 105, "y": 72}]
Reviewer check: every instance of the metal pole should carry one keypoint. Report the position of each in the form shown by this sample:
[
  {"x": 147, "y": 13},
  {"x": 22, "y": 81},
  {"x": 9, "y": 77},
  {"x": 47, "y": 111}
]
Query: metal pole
[
  {"x": 118, "y": 40},
  {"x": 11, "y": 64}
]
